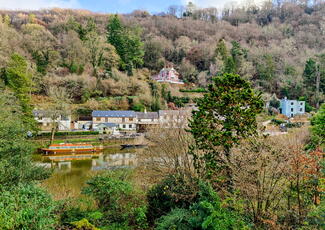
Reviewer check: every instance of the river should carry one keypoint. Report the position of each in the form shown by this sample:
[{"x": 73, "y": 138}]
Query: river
[{"x": 70, "y": 172}]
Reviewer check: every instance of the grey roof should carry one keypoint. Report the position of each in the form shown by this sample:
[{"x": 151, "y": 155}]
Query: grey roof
[
  {"x": 183, "y": 112},
  {"x": 47, "y": 113},
  {"x": 38, "y": 112},
  {"x": 147, "y": 115},
  {"x": 113, "y": 113}
]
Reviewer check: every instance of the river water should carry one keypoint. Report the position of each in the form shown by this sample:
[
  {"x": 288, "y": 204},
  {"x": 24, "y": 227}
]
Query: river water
[{"x": 70, "y": 172}]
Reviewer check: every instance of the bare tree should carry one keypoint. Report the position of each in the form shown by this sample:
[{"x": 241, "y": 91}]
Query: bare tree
[
  {"x": 167, "y": 154},
  {"x": 58, "y": 109}
]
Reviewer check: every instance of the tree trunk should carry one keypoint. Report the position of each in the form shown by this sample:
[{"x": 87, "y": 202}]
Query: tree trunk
[
  {"x": 298, "y": 198},
  {"x": 53, "y": 132},
  {"x": 229, "y": 180},
  {"x": 317, "y": 87}
]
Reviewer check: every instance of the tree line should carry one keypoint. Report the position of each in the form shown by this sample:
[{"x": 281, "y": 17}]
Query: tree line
[{"x": 278, "y": 47}]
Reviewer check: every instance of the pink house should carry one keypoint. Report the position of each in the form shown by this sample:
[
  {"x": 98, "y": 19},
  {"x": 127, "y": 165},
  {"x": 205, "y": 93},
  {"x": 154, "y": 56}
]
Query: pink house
[{"x": 168, "y": 74}]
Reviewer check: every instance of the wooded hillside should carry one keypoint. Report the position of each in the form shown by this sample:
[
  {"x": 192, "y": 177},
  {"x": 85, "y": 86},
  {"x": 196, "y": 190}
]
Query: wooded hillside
[{"x": 279, "y": 48}]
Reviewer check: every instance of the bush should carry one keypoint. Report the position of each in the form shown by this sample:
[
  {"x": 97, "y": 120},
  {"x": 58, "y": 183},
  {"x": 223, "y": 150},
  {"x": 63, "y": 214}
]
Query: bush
[
  {"x": 83, "y": 225},
  {"x": 197, "y": 90},
  {"x": 117, "y": 199},
  {"x": 138, "y": 107},
  {"x": 80, "y": 133},
  {"x": 207, "y": 213},
  {"x": 27, "y": 207},
  {"x": 277, "y": 122},
  {"x": 173, "y": 192},
  {"x": 177, "y": 219},
  {"x": 275, "y": 103}
]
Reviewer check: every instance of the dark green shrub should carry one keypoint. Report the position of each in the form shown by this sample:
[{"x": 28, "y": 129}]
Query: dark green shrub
[
  {"x": 197, "y": 90},
  {"x": 138, "y": 107},
  {"x": 27, "y": 207},
  {"x": 173, "y": 192},
  {"x": 274, "y": 103},
  {"x": 118, "y": 200},
  {"x": 79, "y": 133},
  {"x": 209, "y": 212},
  {"x": 277, "y": 122}
]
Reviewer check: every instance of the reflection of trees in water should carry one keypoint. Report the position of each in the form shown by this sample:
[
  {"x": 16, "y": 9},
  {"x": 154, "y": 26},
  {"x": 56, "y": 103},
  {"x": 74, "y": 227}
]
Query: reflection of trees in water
[
  {"x": 85, "y": 162},
  {"x": 112, "y": 160}
]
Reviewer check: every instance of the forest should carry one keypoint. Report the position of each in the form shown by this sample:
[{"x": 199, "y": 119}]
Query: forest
[
  {"x": 101, "y": 60},
  {"x": 221, "y": 172}
]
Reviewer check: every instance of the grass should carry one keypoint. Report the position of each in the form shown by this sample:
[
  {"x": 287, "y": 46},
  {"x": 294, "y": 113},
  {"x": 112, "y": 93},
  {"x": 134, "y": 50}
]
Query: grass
[
  {"x": 91, "y": 140},
  {"x": 77, "y": 140}
]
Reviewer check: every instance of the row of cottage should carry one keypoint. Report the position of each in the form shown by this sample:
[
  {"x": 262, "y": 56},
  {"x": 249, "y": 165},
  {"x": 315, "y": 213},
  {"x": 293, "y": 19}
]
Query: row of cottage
[
  {"x": 115, "y": 121},
  {"x": 131, "y": 121}
]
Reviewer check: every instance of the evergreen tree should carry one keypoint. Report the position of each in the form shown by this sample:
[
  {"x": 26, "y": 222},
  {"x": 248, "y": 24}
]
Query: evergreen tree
[
  {"x": 221, "y": 50},
  {"x": 318, "y": 126},
  {"x": 231, "y": 62},
  {"x": 226, "y": 114},
  {"x": 16, "y": 165},
  {"x": 309, "y": 74},
  {"x": 127, "y": 43},
  {"x": 237, "y": 54},
  {"x": 23, "y": 205},
  {"x": 18, "y": 78},
  {"x": 314, "y": 78}
]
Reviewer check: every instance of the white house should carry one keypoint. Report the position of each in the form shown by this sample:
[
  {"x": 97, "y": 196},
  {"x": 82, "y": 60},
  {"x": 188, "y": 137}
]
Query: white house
[
  {"x": 125, "y": 120},
  {"x": 174, "y": 118},
  {"x": 147, "y": 120},
  {"x": 291, "y": 108},
  {"x": 45, "y": 120},
  {"x": 168, "y": 74}
]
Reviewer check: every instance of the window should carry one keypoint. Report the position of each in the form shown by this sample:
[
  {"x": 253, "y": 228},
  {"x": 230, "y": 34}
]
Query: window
[
  {"x": 106, "y": 119},
  {"x": 301, "y": 103},
  {"x": 97, "y": 118},
  {"x": 123, "y": 119},
  {"x": 131, "y": 119},
  {"x": 64, "y": 118},
  {"x": 124, "y": 126},
  {"x": 291, "y": 103},
  {"x": 300, "y": 109},
  {"x": 130, "y": 126},
  {"x": 291, "y": 109}
]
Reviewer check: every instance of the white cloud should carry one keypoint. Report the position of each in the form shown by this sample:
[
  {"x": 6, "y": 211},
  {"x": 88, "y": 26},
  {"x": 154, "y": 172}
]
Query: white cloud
[
  {"x": 221, "y": 3},
  {"x": 37, "y": 4}
]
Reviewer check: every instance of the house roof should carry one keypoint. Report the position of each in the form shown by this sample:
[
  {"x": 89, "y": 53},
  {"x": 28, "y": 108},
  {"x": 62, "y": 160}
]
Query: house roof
[
  {"x": 113, "y": 113},
  {"x": 47, "y": 113},
  {"x": 147, "y": 115},
  {"x": 39, "y": 113},
  {"x": 183, "y": 112}
]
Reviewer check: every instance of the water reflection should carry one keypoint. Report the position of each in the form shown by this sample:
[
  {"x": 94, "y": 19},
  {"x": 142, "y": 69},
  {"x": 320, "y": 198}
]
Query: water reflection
[
  {"x": 114, "y": 161},
  {"x": 107, "y": 160},
  {"x": 71, "y": 171}
]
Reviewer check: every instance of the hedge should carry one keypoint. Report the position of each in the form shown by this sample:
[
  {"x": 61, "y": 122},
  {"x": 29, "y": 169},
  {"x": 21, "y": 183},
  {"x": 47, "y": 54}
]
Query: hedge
[
  {"x": 198, "y": 90},
  {"x": 80, "y": 133}
]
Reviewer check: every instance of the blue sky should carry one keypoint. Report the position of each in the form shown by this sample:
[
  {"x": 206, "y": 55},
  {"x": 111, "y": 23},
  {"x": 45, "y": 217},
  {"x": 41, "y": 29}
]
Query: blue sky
[
  {"x": 112, "y": 6},
  {"x": 126, "y": 6}
]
